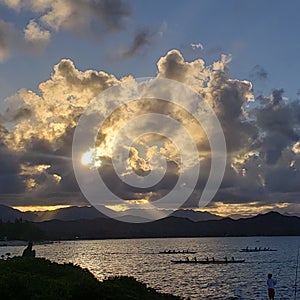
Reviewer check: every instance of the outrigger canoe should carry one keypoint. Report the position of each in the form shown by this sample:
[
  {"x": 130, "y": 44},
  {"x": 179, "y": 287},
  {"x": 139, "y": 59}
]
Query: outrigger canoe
[
  {"x": 257, "y": 250},
  {"x": 206, "y": 262},
  {"x": 177, "y": 252}
]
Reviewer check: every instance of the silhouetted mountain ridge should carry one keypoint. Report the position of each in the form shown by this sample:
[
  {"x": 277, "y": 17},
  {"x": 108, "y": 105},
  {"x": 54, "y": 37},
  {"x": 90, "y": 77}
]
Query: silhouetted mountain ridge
[
  {"x": 85, "y": 223},
  {"x": 89, "y": 212},
  {"x": 195, "y": 216},
  {"x": 270, "y": 224},
  {"x": 10, "y": 214}
]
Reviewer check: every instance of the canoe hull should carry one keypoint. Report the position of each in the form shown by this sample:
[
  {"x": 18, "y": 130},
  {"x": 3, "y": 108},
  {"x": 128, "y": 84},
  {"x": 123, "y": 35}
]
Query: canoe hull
[
  {"x": 205, "y": 262},
  {"x": 190, "y": 252},
  {"x": 253, "y": 250}
]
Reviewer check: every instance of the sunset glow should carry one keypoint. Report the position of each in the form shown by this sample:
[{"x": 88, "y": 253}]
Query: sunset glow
[
  {"x": 242, "y": 210},
  {"x": 40, "y": 208}
]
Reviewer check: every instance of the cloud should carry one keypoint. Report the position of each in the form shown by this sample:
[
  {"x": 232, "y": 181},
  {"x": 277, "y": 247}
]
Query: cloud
[
  {"x": 197, "y": 46},
  {"x": 35, "y": 36},
  {"x": 41, "y": 128},
  {"x": 277, "y": 121},
  {"x": 76, "y": 15},
  {"x": 13, "y": 4},
  {"x": 173, "y": 66},
  {"x": 62, "y": 100},
  {"x": 261, "y": 139},
  {"x": 142, "y": 38},
  {"x": 10, "y": 181},
  {"x": 263, "y": 159},
  {"x": 258, "y": 72},
  {"x": 81, "y": 16},
  {"x": 37, "y": 5},
  {"x": 87, "y": 16},
  {"x": 35, "y": 39},
  {"x": 226, "y": 96}
]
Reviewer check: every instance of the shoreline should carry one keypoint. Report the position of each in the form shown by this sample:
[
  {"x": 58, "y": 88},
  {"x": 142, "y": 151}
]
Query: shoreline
[
  {"x": 18, "y": 243},
  {"x": 24, "y": 277},
  {"x": 12, "y": 243}
]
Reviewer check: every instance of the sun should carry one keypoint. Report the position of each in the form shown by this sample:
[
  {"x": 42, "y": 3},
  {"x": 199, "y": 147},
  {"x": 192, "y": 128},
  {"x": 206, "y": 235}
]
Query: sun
[{"x": 89, "y": 159}]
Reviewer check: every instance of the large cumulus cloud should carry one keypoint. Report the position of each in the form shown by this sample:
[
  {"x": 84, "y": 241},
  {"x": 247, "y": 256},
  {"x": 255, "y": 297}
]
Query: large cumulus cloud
[
  {"x": 40, "y": 130},
  {"x": 262, "y": 136}
]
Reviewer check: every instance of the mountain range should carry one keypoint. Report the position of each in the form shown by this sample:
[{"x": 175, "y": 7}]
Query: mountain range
[
  {"x": 89, "y": 212},
  {"x": 88, "y": 223},
  {"x": 270, "y": 224}
]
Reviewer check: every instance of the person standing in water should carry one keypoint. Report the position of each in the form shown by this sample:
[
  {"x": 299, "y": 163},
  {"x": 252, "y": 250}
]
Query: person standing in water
[{"x": 271, "y": 287}]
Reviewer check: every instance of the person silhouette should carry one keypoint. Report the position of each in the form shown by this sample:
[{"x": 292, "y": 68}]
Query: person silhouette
[
  {"x": 271, "y": 287},
  {"x": 28, "y": 252}
]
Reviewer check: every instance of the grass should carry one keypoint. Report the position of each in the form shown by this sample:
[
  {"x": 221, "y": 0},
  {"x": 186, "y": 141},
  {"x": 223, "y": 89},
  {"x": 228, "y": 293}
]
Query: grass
[{"x": 41, "y": 279}]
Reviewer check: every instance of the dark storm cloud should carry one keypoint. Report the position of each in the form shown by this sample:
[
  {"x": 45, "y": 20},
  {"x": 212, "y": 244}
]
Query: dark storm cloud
[
  {"x": 38, "y": 152},
  {"x": 57, "y": 158},
  {"x": 126, "y": 191},
  {"x": 277, "y": 96},
  {"x": 236, "y": 195},
  {"x": 41, "y": 152},
  {"x": 271, "y": 173},
  {"x": 63, "y": 163},
  {"x": 283, "y": 180},
  {"x": 228, "y": 98},
  {"x": 10, "y": 181},
  {"x": 277, "y": 121}
]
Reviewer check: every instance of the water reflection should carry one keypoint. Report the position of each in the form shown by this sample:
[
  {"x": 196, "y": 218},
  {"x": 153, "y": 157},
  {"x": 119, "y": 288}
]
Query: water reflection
[{"x": 140, "y": 259}]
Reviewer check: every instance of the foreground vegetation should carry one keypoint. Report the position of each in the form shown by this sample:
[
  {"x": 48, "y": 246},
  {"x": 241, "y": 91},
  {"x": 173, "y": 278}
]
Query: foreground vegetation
[{"x": 38, "y": 278}]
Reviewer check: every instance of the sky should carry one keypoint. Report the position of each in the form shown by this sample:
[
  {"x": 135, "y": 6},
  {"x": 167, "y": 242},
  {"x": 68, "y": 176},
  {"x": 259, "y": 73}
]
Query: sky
[{"x": 242, "y": 57}]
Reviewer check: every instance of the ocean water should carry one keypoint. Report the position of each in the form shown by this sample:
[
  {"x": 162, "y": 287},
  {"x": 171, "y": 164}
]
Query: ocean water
[{"x": 140, "y": 258}]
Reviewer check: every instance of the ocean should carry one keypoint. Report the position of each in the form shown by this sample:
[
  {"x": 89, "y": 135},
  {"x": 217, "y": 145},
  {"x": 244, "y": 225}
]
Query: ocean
[{"x": 140, "y": 258}]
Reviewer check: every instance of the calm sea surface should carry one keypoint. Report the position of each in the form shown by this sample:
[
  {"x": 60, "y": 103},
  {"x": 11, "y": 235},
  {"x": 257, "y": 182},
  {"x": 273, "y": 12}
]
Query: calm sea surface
[{"x": 140, "y": 258}]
